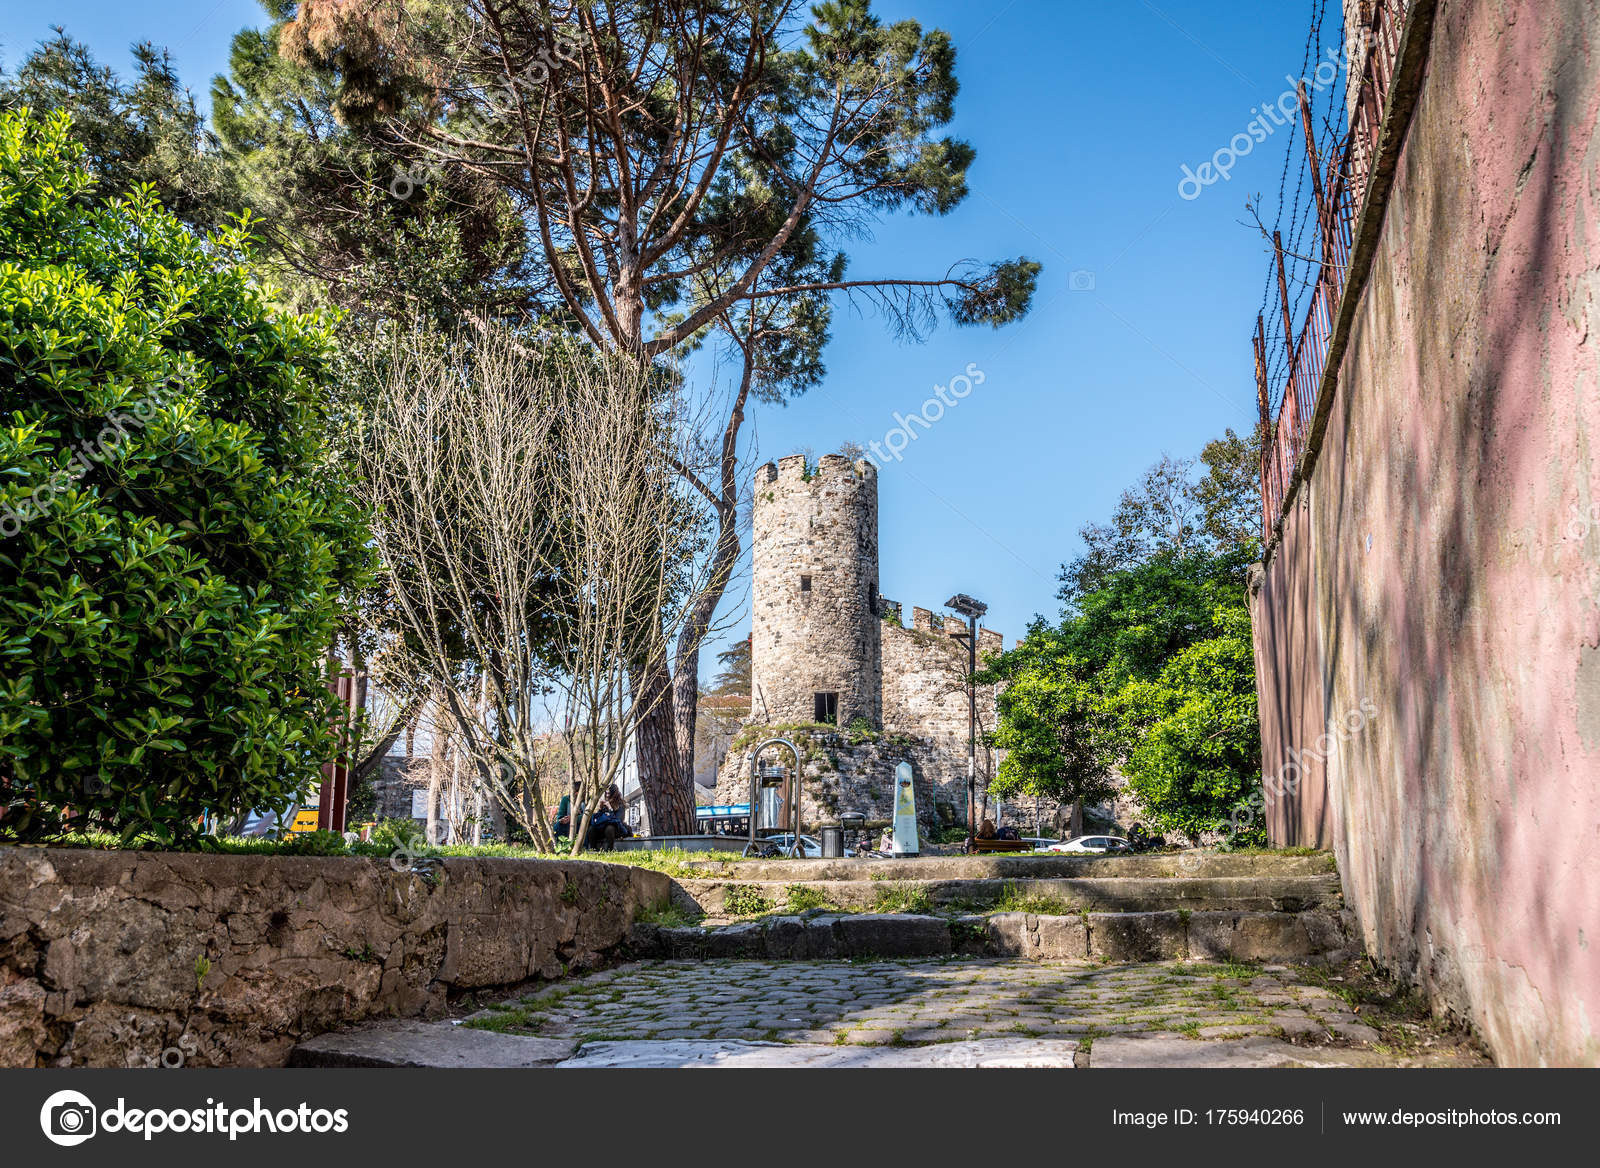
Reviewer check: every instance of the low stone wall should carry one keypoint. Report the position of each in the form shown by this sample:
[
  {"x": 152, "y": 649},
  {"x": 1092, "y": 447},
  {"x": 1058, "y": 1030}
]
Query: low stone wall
[
  {"x": 140, "y": 958},
  {"x": 1313, "y": 937}
]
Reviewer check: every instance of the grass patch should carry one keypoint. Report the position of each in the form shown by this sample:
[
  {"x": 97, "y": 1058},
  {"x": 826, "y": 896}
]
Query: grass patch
[
  {"x": 327, "y": 843},
  {"x": 1226, "y": 970},
  {"x": 901, "y": 896},
  {"x": 745, "y": 900},
  {"x": 510, "y": 1020},
  {"x": 801, "y": 898},
  {"x": 1014, "y": 899},
  {"x": 667, "y": 915}
]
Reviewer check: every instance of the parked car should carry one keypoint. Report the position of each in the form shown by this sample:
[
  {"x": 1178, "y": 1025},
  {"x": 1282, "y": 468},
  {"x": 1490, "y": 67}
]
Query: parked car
[
  {"x": 1094, "y": 845},
  {"x": 809, "y": 848},
  {"x": 1040, "y": 843}
]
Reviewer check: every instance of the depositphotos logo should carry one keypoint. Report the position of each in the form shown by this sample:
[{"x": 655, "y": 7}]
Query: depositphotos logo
[{"x": 69, "y": 1117}]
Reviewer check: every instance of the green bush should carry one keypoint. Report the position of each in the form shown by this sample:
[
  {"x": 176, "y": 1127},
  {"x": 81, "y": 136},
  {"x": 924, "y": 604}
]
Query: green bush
[
  {"x": 398, "y": 835},
  {"x": 313, "y": 843},
  {"x": 174, "y": 537}
]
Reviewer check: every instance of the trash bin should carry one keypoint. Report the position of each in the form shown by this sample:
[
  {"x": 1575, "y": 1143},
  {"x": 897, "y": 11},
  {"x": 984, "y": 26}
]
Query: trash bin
[
  {"x": 853, "y": 822},
  {"x": 832, "y": 842}
]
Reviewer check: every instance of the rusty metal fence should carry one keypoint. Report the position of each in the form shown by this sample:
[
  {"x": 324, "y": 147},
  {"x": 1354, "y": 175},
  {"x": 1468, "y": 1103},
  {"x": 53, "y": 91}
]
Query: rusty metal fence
[{"x": 1338, "y": 185}]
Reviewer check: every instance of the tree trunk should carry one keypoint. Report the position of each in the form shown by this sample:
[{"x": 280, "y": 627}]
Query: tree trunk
[
  {"x": 668, "y": 793},
  {"x": 686, "y": 705},
  {"x": 686, "y": 665},
  {"x": 435, "y": 782},
  {"x": 1075, "y": 824}
]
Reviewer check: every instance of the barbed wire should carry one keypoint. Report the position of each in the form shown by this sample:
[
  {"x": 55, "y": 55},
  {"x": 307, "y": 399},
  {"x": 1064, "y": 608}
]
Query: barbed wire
[{"x": 1295, "y": 215}]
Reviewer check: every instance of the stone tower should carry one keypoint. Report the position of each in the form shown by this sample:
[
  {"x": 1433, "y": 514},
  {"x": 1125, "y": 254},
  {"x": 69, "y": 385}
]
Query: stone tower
[{"x": 815, "y": 640}]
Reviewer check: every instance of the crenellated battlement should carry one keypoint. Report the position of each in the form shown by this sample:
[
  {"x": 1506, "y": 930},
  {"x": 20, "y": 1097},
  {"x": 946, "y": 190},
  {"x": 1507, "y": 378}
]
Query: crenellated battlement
[
  {"x": 922, "y": 620},
  {"x": 793, "y": 469}
]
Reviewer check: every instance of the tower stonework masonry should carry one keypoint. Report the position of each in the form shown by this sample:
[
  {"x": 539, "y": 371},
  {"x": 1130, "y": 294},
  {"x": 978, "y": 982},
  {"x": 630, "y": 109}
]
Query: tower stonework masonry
[
  {"x": 836, "y": 667},
  {"x": 815, "y": 643}
]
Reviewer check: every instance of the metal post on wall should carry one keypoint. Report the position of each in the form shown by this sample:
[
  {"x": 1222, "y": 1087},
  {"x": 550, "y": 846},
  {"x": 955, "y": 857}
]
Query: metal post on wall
[{"x": 972, "y": 610}]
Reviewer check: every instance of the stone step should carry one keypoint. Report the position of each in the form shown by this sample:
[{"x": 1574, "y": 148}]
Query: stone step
[
  {"x": 1315, "y": 935},
  {"x": 1026, "y": 865},
  {"x": 1275, "y": 893},
  {"x": 428, "y": 1044}
]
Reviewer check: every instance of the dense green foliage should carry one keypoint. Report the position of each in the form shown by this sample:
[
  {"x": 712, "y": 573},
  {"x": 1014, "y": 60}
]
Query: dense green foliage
[
  {"x": 345, "y": 226},
  {"x": 174, "y": 539},
  {"x": 135, "y": 132},
  {"x": 1150, "y": 673}
]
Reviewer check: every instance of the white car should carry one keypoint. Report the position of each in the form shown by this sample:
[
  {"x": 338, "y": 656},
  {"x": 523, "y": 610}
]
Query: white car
[
  {"x": 1093, "y": 845},
  {"x": 809, "y": 848}
]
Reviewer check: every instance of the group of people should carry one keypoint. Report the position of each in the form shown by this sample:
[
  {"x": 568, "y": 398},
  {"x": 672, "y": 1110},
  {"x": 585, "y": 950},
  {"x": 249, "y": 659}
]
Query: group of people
[{"x": 606, "y": 826}]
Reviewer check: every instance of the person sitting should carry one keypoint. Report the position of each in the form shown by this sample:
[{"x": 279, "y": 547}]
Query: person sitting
[
  {"x": 562, "y": 827},
  {"x": 609, "y": 824},
  {"x": 986, "y": 829}
]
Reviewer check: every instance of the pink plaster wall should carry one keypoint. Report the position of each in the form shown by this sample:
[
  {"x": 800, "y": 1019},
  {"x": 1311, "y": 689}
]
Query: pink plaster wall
[{"x": 1448, "y": 549}]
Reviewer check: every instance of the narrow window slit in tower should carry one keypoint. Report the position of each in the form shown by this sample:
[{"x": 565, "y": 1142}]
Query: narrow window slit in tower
[
  {"x": 805, "y": 583},
  {"x": 827, "y": 708}
]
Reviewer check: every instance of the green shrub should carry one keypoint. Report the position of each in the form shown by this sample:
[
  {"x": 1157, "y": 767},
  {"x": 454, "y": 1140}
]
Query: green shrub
[
  {"x": 398, "y": 835},
  {"x": 314, "y": 843},
  {"x": 175, "y": 540}
]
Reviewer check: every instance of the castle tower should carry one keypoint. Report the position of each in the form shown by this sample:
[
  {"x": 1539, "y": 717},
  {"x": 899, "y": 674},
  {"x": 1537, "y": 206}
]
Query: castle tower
[{"x": 815, "y": 641}]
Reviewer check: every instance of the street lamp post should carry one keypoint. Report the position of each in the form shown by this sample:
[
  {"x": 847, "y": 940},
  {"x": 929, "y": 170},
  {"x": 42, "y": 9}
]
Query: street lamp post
[{"x": 972, "y": 610}]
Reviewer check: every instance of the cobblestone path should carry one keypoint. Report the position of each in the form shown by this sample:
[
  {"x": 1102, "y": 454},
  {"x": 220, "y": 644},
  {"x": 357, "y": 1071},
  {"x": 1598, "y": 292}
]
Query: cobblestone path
[{"x": 935, "y": 1001}]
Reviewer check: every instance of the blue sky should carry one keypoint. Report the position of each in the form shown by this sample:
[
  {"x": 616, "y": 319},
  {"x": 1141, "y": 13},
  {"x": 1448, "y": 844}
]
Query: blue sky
[{"x": 1082, "y": 114}]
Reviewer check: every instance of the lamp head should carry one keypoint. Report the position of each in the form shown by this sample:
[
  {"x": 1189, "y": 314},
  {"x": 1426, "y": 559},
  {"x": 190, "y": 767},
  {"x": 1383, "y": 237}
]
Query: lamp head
[{"x": 966, "y": 606}]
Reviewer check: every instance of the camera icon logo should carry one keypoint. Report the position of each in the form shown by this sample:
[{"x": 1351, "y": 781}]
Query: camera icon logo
[{"x": 68, "y": 1118}]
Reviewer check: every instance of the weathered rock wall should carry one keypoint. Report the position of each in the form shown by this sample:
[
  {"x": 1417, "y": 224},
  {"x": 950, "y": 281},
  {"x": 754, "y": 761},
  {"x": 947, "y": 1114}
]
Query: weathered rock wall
[
  {"x": 121, "y": 958},
  {"x": 925, "y": 696},
  {"x": 843, "y": 771},
  {"x": 1443, "y": 563}
]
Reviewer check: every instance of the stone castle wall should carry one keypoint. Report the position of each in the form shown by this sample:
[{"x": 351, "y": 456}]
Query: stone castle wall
[
  {"x": 925, "y": 697},
  {"x": 840, "y": 771},
  {"x": 814, "y": 592},
  {"x": 924, "y": 684}
]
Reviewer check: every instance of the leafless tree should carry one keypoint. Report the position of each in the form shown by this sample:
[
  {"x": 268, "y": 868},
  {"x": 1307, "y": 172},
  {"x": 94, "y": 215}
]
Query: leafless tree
[{"x": 538, "y": 544}]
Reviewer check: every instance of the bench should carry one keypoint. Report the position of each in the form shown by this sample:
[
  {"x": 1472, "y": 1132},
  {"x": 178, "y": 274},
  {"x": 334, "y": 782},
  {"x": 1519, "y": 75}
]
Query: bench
[{"x": 1001, "y": 845}]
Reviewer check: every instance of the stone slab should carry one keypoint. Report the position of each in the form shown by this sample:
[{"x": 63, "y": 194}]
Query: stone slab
[
  {"x": 1143, "y": 936},
  {"x": 429, "y": 1044},
  {"x": 1167, "y": 864},
  {"x": 1161, "y": 1050},
  {"x": 980, "y": 1053}
]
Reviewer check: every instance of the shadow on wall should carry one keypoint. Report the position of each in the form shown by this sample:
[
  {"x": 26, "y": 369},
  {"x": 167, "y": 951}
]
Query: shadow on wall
[{"x": 1449, "y": 584}]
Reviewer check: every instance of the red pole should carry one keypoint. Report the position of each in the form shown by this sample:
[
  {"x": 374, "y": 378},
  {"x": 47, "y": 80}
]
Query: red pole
[{"x": 335, "y": 787}]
